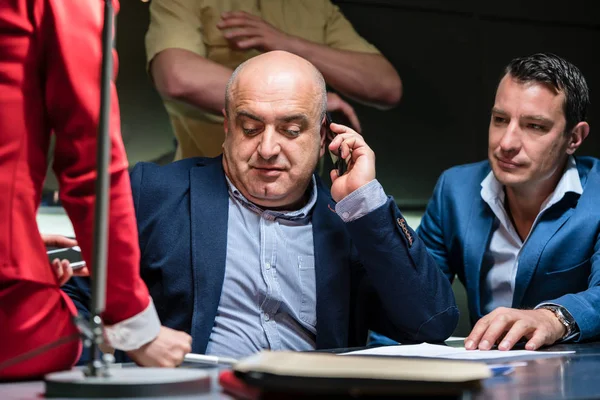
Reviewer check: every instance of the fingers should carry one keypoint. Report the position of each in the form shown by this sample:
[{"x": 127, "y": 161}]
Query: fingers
[
  {"x": 239, "y": 33},
  {"x": 58, "y": 241},
  {"x": 472, "y": 341},
  {"x": 497, "y": 328},
  {"x": 84, "y": 271},
  {"x": 351, "y": 115},
  {"x": 336, "y": 103},
  {"x": 340, "y": 129},
  {"x": 333, "y": 174},
  {"x": 166, "y": 350},
  {"x": 62, "y": 270},
  {"x": 58, "y": 269},
  {"x": 188, "y": 339},
  {"x": 249, "y": 43},
  {"x": 347, "y": 142},
  {"x": 538, "y": 339},
  {"x": 227, "y": 15},
  {"x": 237, "y": 20},
  {"x": 508, "y": 326},
  {"x": 519, "y": 329},
  {"x": 181, "y": 347},
  {"x": 354, "y": 120}
]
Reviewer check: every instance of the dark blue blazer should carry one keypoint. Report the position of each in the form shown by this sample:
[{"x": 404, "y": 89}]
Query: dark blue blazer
[
  {"x": 560, "y": 262},
  {"x": 372, "y": 273}
]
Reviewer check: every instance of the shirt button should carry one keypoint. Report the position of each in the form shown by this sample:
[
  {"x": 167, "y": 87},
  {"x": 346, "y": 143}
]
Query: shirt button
[
  {"x": 345, "y": 214},
  {"x": 268, "y": 265},
  {"x": 267, "y": 317}
]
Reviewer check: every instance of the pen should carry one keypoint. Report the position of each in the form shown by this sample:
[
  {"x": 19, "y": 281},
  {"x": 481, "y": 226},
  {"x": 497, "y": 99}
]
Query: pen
[
  {"x": 204, "y": 359},
  {"x": 505, "y": 369}
]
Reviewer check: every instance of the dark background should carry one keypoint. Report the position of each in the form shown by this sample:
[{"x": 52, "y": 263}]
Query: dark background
[{"x": 449, "y": 54}]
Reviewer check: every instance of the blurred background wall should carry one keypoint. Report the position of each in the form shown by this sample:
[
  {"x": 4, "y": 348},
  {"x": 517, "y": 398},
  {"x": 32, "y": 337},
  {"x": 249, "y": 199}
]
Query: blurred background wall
[{"x": 449, "y": 54}]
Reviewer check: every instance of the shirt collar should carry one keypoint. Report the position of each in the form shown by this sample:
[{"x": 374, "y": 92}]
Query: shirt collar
[
  {"x": 294, "y": 215},
  {"x": 491, "y": 189}
]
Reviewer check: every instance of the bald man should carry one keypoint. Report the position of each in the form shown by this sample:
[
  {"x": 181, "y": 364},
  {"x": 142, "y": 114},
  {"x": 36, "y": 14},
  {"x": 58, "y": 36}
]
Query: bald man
[{"x": 250, "y": 251}]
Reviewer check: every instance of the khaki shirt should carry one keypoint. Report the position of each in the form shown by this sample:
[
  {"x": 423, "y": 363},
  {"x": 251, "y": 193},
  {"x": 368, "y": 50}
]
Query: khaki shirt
[{"x": 192, "y": 25}]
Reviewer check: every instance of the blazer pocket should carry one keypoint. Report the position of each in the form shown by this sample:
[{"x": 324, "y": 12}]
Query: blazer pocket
[
  {"x": 569, "y": 269},
  {"x": 573, "y": 279}
]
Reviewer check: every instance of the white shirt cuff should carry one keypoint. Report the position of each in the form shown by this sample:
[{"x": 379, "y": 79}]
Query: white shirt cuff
[{"x": 134, "y": 332}]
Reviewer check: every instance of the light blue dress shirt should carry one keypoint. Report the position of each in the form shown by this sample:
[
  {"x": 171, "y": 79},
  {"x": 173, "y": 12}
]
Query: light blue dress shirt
[{"x": 269, "y": 299}]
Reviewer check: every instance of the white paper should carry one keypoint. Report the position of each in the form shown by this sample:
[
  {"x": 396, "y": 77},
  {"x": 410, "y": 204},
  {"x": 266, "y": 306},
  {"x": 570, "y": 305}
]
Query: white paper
[
  {"x": 455, "y": 339},
  {"x": 454, "y": 353}
]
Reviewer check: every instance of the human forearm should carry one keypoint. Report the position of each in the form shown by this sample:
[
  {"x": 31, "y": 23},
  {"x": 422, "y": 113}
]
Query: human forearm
[
  {"x": 72, "y": 103},
  {"x": 367, "y": 78},
  {"x": 187, "y": 77},
  {"x": 438, "y": 320}
]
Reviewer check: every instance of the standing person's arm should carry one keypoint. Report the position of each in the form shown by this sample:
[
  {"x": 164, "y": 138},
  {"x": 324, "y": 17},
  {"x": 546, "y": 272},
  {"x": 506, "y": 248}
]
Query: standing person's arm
[
  {"x": 349, "y": 63},
  {"x": 177, "y": 59},
  {"x": 180, "y": 70},
  {"x": 73, "y": 51}
]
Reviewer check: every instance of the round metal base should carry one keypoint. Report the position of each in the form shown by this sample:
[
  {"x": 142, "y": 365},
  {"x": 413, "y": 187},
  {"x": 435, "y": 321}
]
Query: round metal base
[{"x": 128, "y": 382}]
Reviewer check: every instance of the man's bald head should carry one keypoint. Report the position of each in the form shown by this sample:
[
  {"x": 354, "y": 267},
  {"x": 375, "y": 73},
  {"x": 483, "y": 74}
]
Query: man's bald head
[
  {"x": 275, "y": 66},
  {"x": 273, "y": 127}
]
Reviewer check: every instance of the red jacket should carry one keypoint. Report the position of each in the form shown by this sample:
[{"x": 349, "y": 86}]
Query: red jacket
[{"x": 50, "y": 59}]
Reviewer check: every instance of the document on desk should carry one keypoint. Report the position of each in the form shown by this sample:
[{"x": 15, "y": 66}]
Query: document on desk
[{"x": 454, "y": 353}]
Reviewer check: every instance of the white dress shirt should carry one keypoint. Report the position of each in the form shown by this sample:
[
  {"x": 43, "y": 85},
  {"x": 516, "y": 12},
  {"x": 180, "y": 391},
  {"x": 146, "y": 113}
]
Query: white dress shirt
[{"x": 506, "y": 245}]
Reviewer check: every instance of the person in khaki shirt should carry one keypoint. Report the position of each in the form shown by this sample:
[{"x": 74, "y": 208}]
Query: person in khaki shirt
[{"x": 193, "y": 46}]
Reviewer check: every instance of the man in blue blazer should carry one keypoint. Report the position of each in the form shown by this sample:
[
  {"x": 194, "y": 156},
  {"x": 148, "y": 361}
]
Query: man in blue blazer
[
  {"x": 522, "y": 230},
  {"x": 250, "y": 251}
]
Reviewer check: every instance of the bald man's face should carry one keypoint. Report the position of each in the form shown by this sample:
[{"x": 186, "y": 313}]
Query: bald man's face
[{"x": 273, "y": 138}]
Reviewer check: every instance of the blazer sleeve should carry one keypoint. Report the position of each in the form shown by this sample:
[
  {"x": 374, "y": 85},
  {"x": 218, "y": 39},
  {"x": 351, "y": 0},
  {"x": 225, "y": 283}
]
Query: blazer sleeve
[
  {"x": 431, "y": 230},
  {"x": 73, "y": 49},
  {"x": 417, "y": 302},
  {"x": 584, "y": 306}
]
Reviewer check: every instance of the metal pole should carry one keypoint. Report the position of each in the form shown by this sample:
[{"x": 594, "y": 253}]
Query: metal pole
[{"x": 100, "y": 243}]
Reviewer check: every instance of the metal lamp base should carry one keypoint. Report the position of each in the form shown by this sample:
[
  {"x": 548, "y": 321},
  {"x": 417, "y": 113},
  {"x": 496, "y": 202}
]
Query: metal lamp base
[{"x": 128, "y": 382}]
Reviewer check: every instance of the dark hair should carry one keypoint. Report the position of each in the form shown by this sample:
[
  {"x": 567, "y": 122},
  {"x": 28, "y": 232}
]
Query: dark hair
[{"x": 560, "y": 74}]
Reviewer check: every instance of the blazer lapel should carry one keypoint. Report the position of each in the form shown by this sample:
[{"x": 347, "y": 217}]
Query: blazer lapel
[
  {"x": 477, "y": 239},
  {"x": 547, "y": 226},
  {"x": 209, "y": 215}
]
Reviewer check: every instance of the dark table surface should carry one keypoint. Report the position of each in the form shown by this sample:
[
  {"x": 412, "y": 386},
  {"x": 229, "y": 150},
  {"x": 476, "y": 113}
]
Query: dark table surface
[{"x": 570, "y": 376}]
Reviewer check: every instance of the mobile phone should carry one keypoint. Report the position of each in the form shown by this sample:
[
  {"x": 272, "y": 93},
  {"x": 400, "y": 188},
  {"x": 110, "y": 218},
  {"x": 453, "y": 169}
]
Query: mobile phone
[
  {"x": 73, "y": 254},
  {"x": 340, "y": 164}
]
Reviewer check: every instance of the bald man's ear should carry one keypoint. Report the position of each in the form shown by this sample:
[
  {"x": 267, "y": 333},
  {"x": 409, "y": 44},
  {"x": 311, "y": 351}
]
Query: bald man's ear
[
  {"x": 323, "y": 138},
  {"x": 225, "y": 122},
  {"x": 577, "y": 136}
]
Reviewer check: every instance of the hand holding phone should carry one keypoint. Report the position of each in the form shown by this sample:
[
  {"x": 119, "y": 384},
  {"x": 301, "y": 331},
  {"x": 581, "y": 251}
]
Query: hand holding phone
[
  {"x": 72, "y": 254},
  {"x": 357, "y": 157}
]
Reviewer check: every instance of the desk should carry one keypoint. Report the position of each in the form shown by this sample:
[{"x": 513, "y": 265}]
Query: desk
[{"x": 573, "y": 376}]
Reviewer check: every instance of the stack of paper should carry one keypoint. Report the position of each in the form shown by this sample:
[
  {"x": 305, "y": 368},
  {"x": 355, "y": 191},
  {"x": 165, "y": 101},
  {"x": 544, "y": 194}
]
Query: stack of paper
[{"x": 454, "y": 353}]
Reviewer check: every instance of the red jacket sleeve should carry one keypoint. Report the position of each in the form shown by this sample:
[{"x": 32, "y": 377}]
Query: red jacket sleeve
[{"x": 72, "y": 33}]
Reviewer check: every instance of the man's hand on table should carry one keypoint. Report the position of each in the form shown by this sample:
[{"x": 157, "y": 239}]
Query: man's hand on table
[{"x": 506, "y": 326}]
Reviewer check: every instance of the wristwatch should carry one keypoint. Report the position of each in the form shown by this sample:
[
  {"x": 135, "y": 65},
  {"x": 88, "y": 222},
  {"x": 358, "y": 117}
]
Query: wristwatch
[{"x": 564, "y": 317}]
